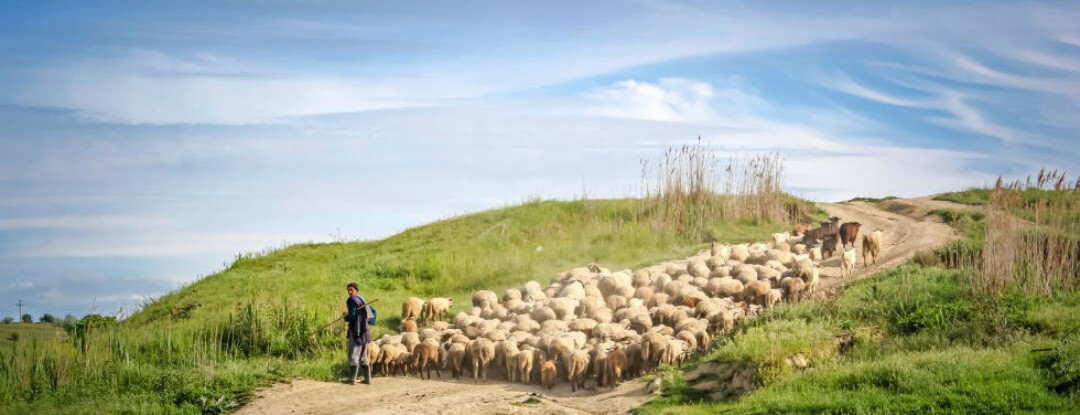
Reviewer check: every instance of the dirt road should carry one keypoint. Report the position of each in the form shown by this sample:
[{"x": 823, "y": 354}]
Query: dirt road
[{"x": 908, "y": 228}]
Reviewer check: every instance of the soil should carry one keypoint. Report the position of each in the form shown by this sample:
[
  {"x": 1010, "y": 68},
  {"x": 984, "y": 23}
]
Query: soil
[{"x": 908, "y": 227}]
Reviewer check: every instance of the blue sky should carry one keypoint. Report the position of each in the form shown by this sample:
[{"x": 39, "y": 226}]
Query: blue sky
[{"x": 145, "y": 145}]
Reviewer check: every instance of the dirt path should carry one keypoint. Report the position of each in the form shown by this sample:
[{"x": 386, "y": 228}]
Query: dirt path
[{"x": 908, "y": 226}]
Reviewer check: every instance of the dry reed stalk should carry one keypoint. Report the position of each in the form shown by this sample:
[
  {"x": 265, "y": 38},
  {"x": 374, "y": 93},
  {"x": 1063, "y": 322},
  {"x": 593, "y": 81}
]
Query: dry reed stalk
[
  {"x": 690, "y": 190},
  {"x": 1038, "y": 251}
]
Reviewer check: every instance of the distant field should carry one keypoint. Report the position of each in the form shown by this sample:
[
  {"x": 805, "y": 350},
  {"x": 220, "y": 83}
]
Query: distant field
[{"x": 28, "y": 332}]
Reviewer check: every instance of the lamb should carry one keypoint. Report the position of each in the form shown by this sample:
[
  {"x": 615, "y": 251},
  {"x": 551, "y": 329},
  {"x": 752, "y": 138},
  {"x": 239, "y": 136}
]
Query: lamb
[
  {"x": 548, "y": 373},
  {"x": 402, "y": 363},
  {"x": 848, "y": 264},
  {"x": 511, "y": 294},
  {"x": 828, "y": 246},
  {"x": 576, "y": 367},
  {"x": 411, "y": 308},
  {"x": 437, "y": 308},
  {"x": 675, "y": 352},
  {"x": 524, "y": 366},
  {"x": 773, "y": 297},
  {"x": 871, "y": 244},
  {"x": 794, "y": 288},
  {"x": 481, "y": 352}
]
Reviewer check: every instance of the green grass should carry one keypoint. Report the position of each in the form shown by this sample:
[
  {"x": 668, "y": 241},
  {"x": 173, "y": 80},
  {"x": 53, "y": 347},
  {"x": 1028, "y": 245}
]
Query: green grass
[
  {"x": 975, "y": 196},
  {"x": 206, "y": 346},
  {"x": 29, "y": 332},
  {"x": 873, "y": 199}
]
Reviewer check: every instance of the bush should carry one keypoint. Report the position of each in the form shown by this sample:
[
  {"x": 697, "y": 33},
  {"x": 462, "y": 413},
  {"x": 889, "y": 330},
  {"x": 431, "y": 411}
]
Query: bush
[
  {"x": 26, "y": 318},
  {"x": 8, "y": 320}
]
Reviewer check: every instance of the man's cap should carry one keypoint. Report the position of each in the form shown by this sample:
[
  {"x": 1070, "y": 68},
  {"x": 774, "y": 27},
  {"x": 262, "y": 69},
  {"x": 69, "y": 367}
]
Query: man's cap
[{"x": 353, "y": 285}]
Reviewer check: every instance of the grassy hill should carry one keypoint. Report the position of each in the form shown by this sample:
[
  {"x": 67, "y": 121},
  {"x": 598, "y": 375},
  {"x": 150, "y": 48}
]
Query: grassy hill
[{"x": 206, "y": 346}]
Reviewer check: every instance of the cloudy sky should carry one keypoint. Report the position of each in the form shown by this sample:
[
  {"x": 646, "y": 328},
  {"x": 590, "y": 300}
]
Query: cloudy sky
[{"x": 145, "y": 144}]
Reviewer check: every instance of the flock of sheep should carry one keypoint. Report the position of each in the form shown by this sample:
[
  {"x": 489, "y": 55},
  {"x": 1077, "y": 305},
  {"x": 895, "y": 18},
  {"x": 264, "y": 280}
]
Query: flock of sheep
[{"x": 592, "y": 323}]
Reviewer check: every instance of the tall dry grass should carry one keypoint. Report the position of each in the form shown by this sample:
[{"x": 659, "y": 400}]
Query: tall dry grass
[
  {"x": 688, "y": 187},
  {"x": 1032, "y": 239}
]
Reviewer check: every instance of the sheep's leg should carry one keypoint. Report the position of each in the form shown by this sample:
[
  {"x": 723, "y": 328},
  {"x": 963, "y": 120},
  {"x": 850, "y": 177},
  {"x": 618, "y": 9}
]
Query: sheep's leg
[{"x": 475, "y": 371}]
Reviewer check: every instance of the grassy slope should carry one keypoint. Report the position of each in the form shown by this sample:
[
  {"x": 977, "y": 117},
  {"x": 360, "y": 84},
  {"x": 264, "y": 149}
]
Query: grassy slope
[
  {"x": 204, "y": 347},
  {"x": 494, "y": 250},
  {"x": 919, "y": 344}
]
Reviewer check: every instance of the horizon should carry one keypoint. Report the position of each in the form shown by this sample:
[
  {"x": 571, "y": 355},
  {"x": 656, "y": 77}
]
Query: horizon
[{"x": 147, "y": 145}]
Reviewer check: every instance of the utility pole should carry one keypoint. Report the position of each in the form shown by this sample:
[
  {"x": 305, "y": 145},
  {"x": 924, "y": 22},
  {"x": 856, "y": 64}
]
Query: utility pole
[{"x": 20, "y": 310}]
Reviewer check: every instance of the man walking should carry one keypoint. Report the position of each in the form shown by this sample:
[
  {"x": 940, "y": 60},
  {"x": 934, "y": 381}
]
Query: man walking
[{"x": 358, "y": 336}]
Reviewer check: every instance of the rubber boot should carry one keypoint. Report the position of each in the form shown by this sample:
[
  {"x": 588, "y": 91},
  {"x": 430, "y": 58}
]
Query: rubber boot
[
  {"x": 367, "y": 375},
  {"x": 352, "y": 379}
]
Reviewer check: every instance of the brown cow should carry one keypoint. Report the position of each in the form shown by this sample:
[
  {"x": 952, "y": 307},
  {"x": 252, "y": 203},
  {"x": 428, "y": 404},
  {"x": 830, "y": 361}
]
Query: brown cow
[{"x": 848, "y": 232}]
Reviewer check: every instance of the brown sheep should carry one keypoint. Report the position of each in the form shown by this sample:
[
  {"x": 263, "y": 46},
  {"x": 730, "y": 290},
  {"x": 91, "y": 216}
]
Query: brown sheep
[
  {"x": 616, "y": 365},
  {"x": 794, "y": 288},
  {"x": 871, "y": 244},
  {"x": 425, "y": 354},
  {"x": 801, "y": 229},
  {"x": 411, "y": 308},
  {"x": 633, "y": 360},
  {"x": 408, "y": 326},
  {"x": 756, "y": 291},
  {"x": 548, "y": 373},
  {"x": 848, "y": 232}
]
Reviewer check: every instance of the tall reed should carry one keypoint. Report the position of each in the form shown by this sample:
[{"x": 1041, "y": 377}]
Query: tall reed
[
  {"x": 1032, "y": 237},
  {"x": 687, "y": 188}
]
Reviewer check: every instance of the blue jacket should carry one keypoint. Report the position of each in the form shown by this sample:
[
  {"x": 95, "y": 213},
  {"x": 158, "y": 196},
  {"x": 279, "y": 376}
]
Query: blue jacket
[{"x": 357, "y": 319}]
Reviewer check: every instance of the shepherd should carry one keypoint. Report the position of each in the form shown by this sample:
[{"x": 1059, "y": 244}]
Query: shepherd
[{"x": 358, "y": 336}]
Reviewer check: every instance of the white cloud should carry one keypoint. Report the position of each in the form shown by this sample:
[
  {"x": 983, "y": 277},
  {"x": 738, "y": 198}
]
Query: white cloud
[
  {"x": 672, "y": 99},
  {"x": 85, "y": 222},
  {"x": 156, "y": 243}
]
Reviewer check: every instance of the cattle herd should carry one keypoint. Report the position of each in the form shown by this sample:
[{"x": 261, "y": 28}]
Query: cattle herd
[{"x": 591, "y": 323}]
